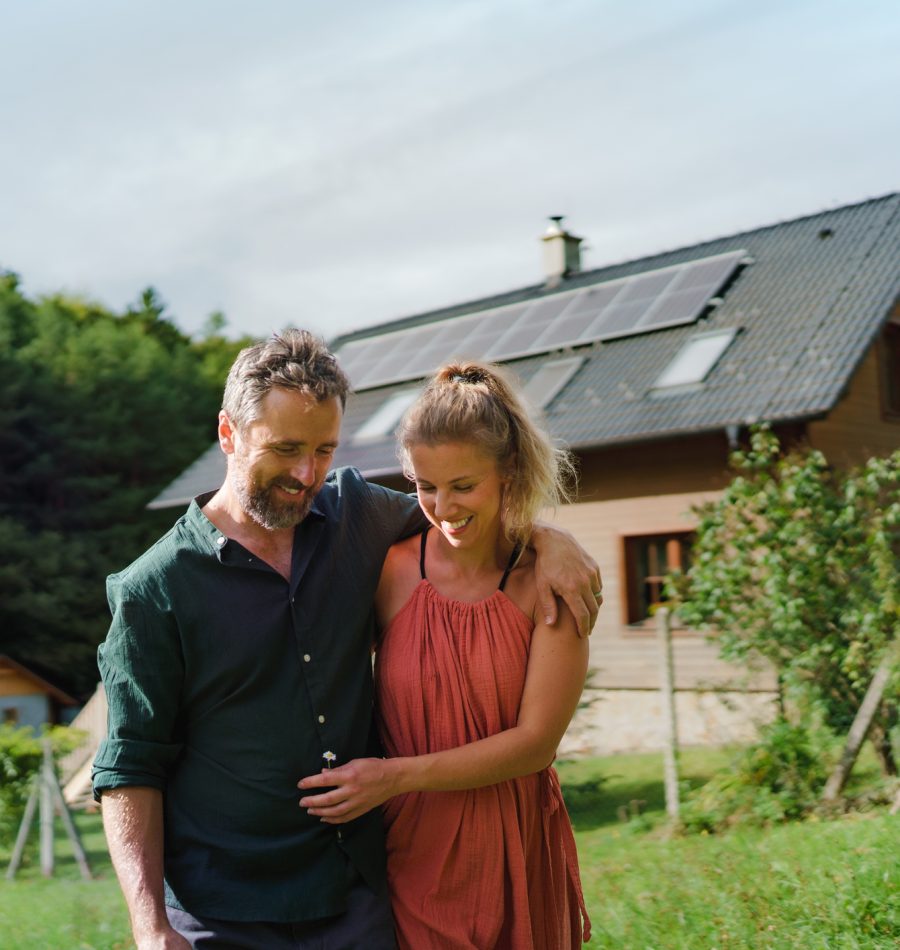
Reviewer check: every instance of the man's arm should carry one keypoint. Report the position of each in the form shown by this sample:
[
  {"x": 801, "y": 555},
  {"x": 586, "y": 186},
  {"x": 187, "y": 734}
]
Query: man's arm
[
  {"x": 564, "y": 569},
  {"x": 133, "y": 822}
]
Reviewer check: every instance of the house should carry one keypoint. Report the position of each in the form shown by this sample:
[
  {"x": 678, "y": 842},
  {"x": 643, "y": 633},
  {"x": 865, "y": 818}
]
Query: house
[
  {"x": 652, "y": 370},
  {"x": 27, "y": 699}
]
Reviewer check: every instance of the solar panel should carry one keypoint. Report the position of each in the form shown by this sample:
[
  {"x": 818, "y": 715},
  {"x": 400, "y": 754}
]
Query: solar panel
[
  {"x": 533, "y": 321},
  {"x": 577, "y": 319},
  {"x": 641, "y": 303}
]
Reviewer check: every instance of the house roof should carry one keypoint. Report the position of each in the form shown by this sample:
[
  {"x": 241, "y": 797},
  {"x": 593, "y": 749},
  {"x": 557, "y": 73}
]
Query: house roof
[
  {"x": 806, "y": 306},
  {"x": 63, "y": 698}
]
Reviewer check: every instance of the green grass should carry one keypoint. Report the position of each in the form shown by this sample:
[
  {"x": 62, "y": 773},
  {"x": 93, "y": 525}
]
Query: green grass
[
  {"x": 811, "y": 886},
  {"x": 64, "y": 912}
]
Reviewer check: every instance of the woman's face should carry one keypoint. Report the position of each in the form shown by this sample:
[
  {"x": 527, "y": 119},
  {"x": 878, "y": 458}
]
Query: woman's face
[{"x": 460, "y": 489}]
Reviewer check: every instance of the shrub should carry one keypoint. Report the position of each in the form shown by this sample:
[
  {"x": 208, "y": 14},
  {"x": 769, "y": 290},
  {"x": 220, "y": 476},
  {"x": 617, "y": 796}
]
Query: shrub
[
  {"x": 20, "y": 757},
  {"x": 777, "y": 779}
]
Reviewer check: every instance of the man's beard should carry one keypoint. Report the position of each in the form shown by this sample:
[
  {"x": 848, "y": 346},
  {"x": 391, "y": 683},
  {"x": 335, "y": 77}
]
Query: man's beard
[{"x": 259, "y": 502}]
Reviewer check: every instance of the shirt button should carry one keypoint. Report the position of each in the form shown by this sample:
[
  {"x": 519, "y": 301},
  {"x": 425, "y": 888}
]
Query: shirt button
[
  {"x": 306, "y": 658},
  {"x": 321, "y": 719},
  {"x": 340, "y": 835},
  {"x": 221, "y": 541}
]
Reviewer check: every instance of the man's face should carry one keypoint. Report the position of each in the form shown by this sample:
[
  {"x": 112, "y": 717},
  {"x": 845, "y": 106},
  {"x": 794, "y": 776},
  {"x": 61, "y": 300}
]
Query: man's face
[{"x": 279, "y": 461}]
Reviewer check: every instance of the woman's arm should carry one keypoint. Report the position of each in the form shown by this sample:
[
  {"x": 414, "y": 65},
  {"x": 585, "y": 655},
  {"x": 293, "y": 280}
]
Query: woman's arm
[{"x": 557, "y": 664}]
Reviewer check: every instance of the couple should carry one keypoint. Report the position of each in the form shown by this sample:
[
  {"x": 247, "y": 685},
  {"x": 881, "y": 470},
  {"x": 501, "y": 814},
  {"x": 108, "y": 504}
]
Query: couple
[{"x": 238, "y": 661}]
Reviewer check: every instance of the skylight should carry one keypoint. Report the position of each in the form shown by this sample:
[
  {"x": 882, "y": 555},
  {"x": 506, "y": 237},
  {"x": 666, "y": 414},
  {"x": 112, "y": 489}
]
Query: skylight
[
  {"x": 694, "y": 361},
  {"x": 384, "y": 420},
  {"x": 550, "y": 379}
]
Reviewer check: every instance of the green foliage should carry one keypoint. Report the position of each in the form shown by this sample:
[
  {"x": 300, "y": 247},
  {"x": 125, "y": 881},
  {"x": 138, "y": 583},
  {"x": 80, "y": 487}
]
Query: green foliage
[
  {"x": 98, "y": 412},
  {"x": 816, "y": 885},
  {"x": 800, "y": 563},
  {"x": 776, "y": 779},
  {"x": 21, "y": 754}
]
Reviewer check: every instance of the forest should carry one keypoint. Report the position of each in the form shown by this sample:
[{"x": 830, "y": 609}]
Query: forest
[{"x": 99, "y": 411}]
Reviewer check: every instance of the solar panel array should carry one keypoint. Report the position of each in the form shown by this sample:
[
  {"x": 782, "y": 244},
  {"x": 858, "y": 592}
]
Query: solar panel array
[{"x": 654, "y": 300}]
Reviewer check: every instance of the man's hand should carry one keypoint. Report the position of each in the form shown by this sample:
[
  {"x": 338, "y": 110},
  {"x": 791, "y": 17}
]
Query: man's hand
[
  {"x": 161, "y": 940},
  {"x": 564, "y": 569},
  {"x": 133, "y": 822}
]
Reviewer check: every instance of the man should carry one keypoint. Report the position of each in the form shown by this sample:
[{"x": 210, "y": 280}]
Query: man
[{"x": 238, "y": 661}]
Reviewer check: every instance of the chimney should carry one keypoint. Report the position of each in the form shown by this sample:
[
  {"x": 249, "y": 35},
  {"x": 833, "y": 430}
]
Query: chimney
[{"x": 562, "y": 254}]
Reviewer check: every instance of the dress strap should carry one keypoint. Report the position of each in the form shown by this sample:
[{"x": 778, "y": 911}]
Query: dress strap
[
  {"x": 511, "y": 563},
  {"x": 422, "y": 552}
]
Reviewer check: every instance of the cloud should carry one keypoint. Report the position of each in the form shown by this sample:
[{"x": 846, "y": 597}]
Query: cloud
[{"x": 286, "y": 164}]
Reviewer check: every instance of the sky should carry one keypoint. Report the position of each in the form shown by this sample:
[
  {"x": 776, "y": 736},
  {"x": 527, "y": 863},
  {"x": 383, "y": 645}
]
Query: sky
[{"x": 334, "y": 166}]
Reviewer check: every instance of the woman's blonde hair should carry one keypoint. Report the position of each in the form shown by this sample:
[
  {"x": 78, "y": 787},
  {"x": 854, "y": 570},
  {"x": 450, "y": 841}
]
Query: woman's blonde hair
[{"x": 477, "y": 402}]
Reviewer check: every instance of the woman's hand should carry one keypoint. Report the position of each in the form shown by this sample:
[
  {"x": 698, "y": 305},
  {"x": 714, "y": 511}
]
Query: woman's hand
[{"x": 354, "y": 788}]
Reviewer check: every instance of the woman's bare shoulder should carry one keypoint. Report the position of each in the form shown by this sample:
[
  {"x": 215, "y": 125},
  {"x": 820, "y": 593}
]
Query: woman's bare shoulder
[
  {"x": 520, "y": 585},
  {"x": 399, "y": 578},
  {"x": 403, "y": 554}
]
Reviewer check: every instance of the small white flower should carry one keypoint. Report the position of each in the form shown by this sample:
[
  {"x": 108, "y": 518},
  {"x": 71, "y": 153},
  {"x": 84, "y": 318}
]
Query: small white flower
[{"x": 329, "y": 757}]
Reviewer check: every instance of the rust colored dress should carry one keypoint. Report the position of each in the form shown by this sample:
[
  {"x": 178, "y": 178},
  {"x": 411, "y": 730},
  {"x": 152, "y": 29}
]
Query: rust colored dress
[{"x": 485, "y": 868}]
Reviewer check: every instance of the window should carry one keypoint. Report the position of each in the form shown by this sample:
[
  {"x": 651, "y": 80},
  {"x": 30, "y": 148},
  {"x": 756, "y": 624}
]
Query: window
[
  {"x": 10, "y": 716},
  {"x": 648, "y": 558},
  {"x": 550, "y": 379},
  {"x": 695, "y": 360},
  {"x": 890, "y": 370},
  {"x": 384, "y": 420}
]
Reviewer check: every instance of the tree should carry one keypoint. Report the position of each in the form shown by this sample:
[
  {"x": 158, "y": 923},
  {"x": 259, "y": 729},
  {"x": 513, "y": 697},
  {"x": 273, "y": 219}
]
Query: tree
[
  {"x": 98, "y": 412},
  {"x": 800, "y": 563}
]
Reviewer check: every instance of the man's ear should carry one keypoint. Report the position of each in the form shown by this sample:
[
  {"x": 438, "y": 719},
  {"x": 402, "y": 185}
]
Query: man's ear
[{"x": 227, "y": 433}]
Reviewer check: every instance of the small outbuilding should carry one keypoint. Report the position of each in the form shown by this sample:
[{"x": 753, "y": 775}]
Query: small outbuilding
[{"x": 27, "y": 699}]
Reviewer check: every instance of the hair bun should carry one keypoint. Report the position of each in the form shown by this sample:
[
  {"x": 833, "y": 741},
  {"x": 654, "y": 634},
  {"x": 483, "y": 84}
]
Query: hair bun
[{"x": 470, "y": 373}]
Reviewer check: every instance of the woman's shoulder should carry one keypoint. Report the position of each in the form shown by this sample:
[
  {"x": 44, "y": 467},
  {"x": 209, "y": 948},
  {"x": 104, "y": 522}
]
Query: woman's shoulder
[
  {"x": 521, "y": 587},
  {"x": 404, "y": 553},
  {"x": 399, "y": 578}
]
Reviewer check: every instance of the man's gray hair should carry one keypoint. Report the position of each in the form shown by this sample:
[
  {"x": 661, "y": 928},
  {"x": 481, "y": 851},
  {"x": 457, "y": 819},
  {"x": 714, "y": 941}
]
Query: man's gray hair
[{"x": 292, "y": 359}]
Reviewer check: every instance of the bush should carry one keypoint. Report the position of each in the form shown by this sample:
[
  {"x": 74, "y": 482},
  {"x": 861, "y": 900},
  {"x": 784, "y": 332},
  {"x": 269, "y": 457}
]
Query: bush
[
  {"x": 775, "y": 780},
  {"x": 20, "y": 757}
]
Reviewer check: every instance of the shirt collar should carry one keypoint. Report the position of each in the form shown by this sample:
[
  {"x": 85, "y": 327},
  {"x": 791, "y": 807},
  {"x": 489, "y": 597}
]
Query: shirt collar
[{"x": 214, "y": 539}]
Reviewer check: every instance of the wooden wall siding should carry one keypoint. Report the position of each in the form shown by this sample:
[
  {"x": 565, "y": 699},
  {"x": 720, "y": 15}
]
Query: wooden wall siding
[
  {"x": 13, "y": 683},
  {"x": 857, "y": 428},
  {"x": 668, "y": 467},
  {"x": 625, "y": 657}
]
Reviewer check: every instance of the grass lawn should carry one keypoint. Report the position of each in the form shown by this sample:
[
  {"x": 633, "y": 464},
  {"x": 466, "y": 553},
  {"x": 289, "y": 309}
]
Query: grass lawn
[
  {"x": 813, "y": 886},
  {"x": 821, "y": 886}
]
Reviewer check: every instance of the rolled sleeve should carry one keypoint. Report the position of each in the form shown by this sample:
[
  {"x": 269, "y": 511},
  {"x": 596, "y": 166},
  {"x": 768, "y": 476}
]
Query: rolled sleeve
[{"x": 142, "y": 670}]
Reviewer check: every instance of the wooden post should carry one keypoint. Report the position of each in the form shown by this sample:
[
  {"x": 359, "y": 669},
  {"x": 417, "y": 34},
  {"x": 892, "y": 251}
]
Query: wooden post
[
  {"x": 862, "y": 722},
  {"x": 22, "y": 836},
  {"x": 46, "y": 792},
  {"x": 47, "y": 777},
  {"x": 670, "y": 723}
]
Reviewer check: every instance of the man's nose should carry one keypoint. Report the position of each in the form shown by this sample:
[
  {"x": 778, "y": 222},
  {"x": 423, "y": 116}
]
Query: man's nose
[{"x": 304, "y": 470}]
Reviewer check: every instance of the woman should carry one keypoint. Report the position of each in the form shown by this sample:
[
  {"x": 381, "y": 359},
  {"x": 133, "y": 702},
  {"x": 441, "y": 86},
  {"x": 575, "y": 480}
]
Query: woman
[{"x": 474, "y": 690}]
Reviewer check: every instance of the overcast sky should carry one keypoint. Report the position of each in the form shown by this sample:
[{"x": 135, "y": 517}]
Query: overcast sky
[{"x": 336, "y": 165}]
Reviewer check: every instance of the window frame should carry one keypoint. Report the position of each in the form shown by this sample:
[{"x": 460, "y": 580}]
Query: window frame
[
  {"x": 888, "y": 357},
  {"x": 678, "y": 540}
]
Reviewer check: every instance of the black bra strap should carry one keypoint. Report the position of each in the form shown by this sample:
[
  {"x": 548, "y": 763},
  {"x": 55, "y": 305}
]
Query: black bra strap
[
  {"x": 516, "y": 551},
  {"x": 422, "y": 553}
]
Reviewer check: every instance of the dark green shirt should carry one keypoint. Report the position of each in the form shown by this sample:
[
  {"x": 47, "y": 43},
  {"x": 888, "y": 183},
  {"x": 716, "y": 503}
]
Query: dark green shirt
[{"x": 226, "y": 684}]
